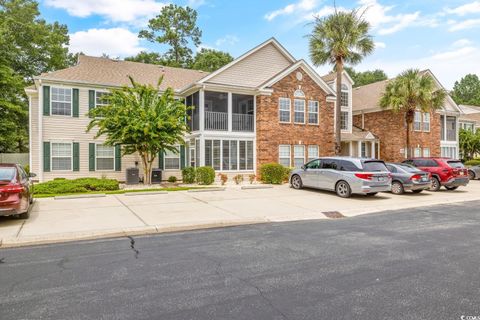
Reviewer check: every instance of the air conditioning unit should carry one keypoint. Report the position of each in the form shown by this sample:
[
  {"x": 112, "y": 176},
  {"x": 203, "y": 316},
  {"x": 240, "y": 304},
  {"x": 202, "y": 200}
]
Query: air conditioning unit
[{"x": 133, "y": 176}]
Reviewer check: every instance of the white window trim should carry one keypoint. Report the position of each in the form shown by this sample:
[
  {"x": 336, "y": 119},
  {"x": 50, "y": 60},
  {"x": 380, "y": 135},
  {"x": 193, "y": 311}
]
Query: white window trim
[
  {"x": 294, "y": 111},
  {"x": 309, "y": 158},
  {"x": 317, "y": 113},
  {"x": 104, "y": 170},
  {"x": 71, "y": 101},
  {"x": 289, "y": 154},
  {"x": 100, "y": 104},
  {"x": 237, "y": 153},
  {"x": 420, "y": 150},
  {"x": 420, "y": 122},
  {"x": 295, "y": 156},
  {"x": 51, "y": 155},
  {"x": 429, "y": 121},
  {"x": 423, "y": 152},
  {"x": 348, "y": 120},
  {"x": 177, "y": 156},
  {"x": 289, "y": 109}
]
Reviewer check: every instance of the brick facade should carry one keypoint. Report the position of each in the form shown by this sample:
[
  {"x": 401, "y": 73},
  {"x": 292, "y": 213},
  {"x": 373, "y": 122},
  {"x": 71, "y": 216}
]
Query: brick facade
[
  {"x": 271, "y": 133},
  {"x": 390, "y": 128}
]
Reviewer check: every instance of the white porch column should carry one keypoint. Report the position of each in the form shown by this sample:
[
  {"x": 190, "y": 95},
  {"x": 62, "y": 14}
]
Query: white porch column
[
  {"x": 350, "y": 148},
  {"x": 201, "y": 110},
  {"x": 202, "y": 150},
  {"x": 359, "y": 148},
  {"x": 373, "y": 149},
  {"x": 230, "y": 114},
  {"x": 40, "y": 133}
]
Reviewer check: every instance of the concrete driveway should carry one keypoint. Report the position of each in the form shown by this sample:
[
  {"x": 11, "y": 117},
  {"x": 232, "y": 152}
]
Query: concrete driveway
[{"x": 119, "y": 215}]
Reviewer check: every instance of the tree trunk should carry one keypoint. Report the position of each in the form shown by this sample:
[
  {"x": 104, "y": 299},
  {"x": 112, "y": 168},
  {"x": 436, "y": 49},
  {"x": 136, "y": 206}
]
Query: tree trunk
[
  {"x": 409, "y": 119},
  {"x": 146, "y": 171},
  {"x": 338, "y": 108}
]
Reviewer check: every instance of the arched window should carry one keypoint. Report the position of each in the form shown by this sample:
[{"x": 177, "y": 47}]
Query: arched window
[{"x": 299, "y": 94}]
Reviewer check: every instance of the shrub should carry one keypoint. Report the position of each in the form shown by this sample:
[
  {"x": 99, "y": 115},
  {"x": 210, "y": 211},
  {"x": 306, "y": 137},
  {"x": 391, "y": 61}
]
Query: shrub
[
  {"x": 27, "y": 169},
  {"x": 273, "y": 173},
  {"x": 62, "y": 185},
  {"x": 205, "y": 175},
  {"x": 251, "y": 178},
  {"x": 188, "y": 175},
  {"x": 474, "y": 162},
  {"x": 172, "y": 179},
  {"x": 238, "y": 179},
  {"x": 223, "y": 178}
]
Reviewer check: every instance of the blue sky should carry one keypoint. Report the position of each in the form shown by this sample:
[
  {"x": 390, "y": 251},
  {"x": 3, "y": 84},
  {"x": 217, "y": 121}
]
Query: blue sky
[{"x": 437, "y": 34}]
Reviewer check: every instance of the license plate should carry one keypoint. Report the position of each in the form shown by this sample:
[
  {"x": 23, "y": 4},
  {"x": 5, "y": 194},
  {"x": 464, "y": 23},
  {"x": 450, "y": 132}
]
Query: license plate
[
  {"x": 381, "y": 179},
  {"x": 462, "y": 173}
]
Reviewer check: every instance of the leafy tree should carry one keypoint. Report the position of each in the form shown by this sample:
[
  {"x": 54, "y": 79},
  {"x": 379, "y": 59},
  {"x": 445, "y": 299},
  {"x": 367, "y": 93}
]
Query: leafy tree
[
  {"x": 409, "y": 92},
  {"x": 28, "y": 46},
  {"x": 176, "y": 27},
  {"x": 365, "y": 77},
  {"x": 141, "y": 120},
  {"x": 147, "y": 57},
  {"x": 469, "y": 143},
  {"x": 340, "y": 38},
  {"x": 211, "y": 60},
  {"x": 467, "y": 90}
]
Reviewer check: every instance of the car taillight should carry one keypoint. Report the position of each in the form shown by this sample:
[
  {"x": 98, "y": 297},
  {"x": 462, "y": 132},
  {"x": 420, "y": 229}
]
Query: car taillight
[
  {"x": 364, "y": 176},
  {"x": 416, "y": 177},
  {"x": 12, "y": 188}
]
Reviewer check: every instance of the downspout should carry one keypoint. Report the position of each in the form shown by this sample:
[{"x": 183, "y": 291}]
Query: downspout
[{"x": 40, "y": 132}]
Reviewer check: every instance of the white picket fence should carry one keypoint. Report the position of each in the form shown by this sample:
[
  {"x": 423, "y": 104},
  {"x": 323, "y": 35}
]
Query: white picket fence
[{"x": 20, "y": 158}]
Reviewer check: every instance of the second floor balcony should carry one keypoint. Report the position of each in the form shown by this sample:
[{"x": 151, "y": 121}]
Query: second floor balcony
[
  {"x": 218, "y": 121},
  {"x": 448, "y": 128}
]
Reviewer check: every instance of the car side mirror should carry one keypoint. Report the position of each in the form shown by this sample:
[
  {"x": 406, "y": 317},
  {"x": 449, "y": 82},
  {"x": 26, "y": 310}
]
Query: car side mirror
[
  {"x": 303, "y": 167},
  {"x": 32, "y": 175}
]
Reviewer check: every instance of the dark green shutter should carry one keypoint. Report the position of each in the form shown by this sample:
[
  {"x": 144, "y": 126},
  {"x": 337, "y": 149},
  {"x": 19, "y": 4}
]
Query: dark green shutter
[
  {"x": 91, "y": 156},
  {"x": 118, "y": 158},
  {"x": 46, "y": 100},
  {"x": 76, "y": 156},
  {"x": 46, "y": 156},
  {"x": 91, "y": 100},
  {"x": 160, "y": 159},
  {"x": 75, "y": 103},
  {"x": 182, "y": 157}
]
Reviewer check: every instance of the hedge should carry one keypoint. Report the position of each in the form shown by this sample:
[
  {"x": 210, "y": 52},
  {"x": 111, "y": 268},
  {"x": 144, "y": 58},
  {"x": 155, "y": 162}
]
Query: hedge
[
  {"x": 274, "y": 173},
  {"x": 205, "y": 175},
  {"x": 188, "y": 175},
  {"x": 474, "y": 162},
  {"x": 81, "y": 185}
]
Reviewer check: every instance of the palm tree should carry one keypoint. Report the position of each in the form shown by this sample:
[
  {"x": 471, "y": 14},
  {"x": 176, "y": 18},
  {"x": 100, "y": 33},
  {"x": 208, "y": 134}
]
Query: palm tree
[
  {"x": 338, "y": 39},
  {"x": 412, "y": 91}
]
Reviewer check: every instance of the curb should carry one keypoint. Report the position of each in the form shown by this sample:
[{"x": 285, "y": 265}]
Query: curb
[
  {"x": 268, "y": 186},
  {"x": 80, "y": 196},
  {"x": 146, "y": 193},
  {"x": 207, "y": 189}
]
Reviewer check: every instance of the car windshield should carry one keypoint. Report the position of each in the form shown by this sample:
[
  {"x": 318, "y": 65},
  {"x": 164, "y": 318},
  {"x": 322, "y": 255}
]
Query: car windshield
[
  {"x": 7, "y": 174},
  {"x": 374, "y": 166},
  {"x": 408, "y": 168},
  {"x": 455, "y": 164}
]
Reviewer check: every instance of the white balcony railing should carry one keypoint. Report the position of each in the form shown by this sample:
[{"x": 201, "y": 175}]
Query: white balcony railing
[
  {"x": 242, "y": 122},
  {"x": 216, "y": 121}
]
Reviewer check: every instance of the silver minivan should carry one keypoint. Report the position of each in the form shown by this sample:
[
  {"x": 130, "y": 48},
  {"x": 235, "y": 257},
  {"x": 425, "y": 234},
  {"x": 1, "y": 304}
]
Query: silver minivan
[{"x": 344, "y": 175}]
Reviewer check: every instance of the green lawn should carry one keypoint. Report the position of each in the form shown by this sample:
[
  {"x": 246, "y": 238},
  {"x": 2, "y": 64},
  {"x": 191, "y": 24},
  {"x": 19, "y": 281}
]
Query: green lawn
[{"x": 117, "y": 191}]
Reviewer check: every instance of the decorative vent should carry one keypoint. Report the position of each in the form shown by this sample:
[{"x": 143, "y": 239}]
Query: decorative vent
[{"x": 299, "y": 94}]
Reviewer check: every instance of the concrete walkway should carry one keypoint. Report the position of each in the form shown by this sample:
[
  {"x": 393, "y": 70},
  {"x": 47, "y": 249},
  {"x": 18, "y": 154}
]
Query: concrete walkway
[{"x": 121, "y": 215}]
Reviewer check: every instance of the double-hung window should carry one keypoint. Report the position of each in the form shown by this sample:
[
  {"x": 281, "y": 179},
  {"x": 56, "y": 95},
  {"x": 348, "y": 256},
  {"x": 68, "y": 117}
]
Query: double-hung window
[
  {"x": 298, "y": 156},
  {"x": 104, "y": 157},
  {"x": 417, "y": 152},
  {"x": 62, "y": 156},
  {"x": 61, "y": 102},
  {"x": 426, "y": 122},
  {"x": 344, "y": 96},
  {"x": 171, "y": 160},
  {"x": 299, "y": 111},
  {"x": 426, "y": 152},
  {"x": 312, "y": 152},
  {"x": 284, "y": 155},
  {"x": 101, "y": 98},
  {"x": 417, "y": 121},
  {"x": 284, "y": 109},
  {"x": 344, "y": 120},
  {"x": 313, "y": 112}
]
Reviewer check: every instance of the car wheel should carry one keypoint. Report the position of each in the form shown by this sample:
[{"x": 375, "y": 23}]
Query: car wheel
[
  {"x": 343, "y": 190},
  {"x": 471, "y": 175},
  {"x": 296, "y": 182},
  {"x": 435, "y": 184},
  {"x": 24, "y": 215},
  {"x": 417, "y": 191},
  {"x": 397, "y": 187},
  {"x": 451, "y": 188},
  {"x": 31, "y": 199}
]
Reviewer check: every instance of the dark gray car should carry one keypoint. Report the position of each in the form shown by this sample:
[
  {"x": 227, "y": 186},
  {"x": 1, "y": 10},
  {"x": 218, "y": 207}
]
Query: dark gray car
[
  {"x": 474, "y": 172},
  {"x": 408, "y": 178}
]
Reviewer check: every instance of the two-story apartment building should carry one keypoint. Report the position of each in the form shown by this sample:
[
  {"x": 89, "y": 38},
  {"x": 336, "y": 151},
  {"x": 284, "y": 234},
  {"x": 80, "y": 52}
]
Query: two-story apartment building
[
  {"x": 434, "y": 134},
  {"x": 265, "y": 106}
]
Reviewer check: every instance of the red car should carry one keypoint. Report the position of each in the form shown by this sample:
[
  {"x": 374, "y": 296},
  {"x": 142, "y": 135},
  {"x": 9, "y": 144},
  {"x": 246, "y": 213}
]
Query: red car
[
  {"x": 16, "y": 194},
  {"x": 445, "y": 172}
]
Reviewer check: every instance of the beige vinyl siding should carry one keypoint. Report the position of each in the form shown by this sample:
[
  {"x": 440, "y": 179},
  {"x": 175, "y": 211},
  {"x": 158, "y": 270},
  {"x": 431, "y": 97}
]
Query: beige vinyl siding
[
  {"x": 254, "y": 69},
  {"x": 71, "y": 129},
  {"x": 35, "y": 165}
]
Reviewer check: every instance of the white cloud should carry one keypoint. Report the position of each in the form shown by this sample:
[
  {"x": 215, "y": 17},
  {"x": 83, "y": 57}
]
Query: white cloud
[
  {"x": 380, "y": 45},
  {"x": 462, "y": 43},
  {"x": 403, "y": 22},
  {"x": 469, "y": 8},
  {"x": 129, "y": 11},
  {"x": 227, "y": 40},
  {"x": 297, "y": 7},
  {"x": 454, "y": 54},
  {"x": 465, "y": 24},
  {"x": 114, "y": 42}
]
